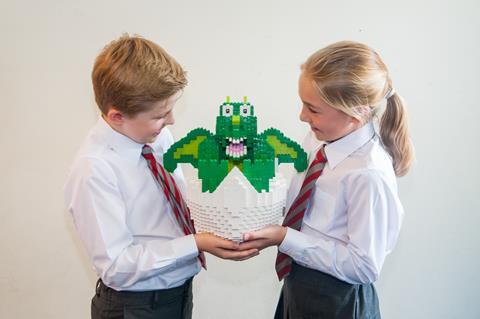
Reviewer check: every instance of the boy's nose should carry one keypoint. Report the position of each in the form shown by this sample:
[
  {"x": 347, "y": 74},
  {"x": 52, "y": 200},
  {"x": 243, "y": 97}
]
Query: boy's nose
[{"x": 170, "y": 120}]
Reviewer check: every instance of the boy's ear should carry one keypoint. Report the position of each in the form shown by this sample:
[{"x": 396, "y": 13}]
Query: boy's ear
[{"x": 114, "y": 116}]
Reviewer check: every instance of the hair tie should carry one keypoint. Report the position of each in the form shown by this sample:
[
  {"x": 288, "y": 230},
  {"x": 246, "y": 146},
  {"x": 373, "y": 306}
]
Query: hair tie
[{"x": 390, "y": 93}]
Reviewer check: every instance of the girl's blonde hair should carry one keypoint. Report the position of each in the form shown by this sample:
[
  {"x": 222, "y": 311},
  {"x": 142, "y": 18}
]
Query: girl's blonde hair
[{"x": 352, "y": 78}]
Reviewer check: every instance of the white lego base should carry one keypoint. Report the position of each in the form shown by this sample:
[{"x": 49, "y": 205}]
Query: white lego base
[{"x": 235, "y": 207}]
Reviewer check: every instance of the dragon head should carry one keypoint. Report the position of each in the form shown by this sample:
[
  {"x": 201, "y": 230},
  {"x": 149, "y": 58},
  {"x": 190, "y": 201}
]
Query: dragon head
[{"x": 236, "y": 128}]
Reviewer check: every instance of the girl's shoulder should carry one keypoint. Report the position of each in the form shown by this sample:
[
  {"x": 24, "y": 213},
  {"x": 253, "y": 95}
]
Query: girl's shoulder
[{"x": 371, "y": 161}]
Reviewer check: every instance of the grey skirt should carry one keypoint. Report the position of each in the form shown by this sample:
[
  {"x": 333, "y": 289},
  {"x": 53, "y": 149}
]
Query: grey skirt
[{"x": 309, "y": 293}]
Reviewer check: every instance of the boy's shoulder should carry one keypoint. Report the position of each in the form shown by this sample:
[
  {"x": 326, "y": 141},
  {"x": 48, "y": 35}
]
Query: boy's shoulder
[
  {"x": 96, "y": 151},
  {"x": 97, "y": 141},
  {"x": 102, "y": 138},
  {"x": 91, "y": 158},
  {"x": 103, "y": 145}
]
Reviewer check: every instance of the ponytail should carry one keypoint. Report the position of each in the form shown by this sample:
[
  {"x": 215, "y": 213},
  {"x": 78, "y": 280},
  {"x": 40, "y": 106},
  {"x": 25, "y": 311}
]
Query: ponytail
[{"x": 394, "y": 135}]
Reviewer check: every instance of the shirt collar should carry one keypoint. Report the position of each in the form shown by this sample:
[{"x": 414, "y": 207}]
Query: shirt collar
[
  {"x": 119, "y": 143},
  {"x": 340, "y": 149}
]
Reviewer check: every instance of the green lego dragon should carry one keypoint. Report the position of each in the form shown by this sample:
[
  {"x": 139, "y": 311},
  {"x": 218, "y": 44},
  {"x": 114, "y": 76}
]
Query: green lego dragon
[{"x": 235, "y": 144}]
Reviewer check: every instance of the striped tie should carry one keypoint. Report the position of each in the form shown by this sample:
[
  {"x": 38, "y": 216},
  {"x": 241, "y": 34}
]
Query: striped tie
[
  {"x": 173, "y": 195},
  {"x": 294, "y": 217}
]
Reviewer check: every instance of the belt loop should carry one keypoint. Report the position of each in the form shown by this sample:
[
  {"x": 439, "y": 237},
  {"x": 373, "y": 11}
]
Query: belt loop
[
  {"x": 155, "y": 299},
  {"x": 189, "y": 283},
  {"x": 97, "y": 287}
]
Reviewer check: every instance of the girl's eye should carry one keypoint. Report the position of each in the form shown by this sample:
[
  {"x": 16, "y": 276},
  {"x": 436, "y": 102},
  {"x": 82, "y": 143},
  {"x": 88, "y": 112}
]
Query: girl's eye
[
  {"x": 227, "y": 110},
  {"x": 245, "y": 110},
  {"x": 311, "y": 109}
]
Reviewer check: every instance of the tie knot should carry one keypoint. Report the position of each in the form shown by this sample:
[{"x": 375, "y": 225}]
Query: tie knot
[
  {"x": 321, "y": 157},
  {"x": 147, "y": 151}
]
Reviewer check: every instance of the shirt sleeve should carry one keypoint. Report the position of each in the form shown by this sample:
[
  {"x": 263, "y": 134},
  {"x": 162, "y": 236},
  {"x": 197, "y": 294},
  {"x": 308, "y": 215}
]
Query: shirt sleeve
[
  {"x": 95, "y": 202},
  {"x": 374, "y": 216}
]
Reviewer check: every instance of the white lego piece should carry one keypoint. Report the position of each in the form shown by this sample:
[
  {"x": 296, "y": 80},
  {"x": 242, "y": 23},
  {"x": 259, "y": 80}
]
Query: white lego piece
[{"x": 235, "y": 207}]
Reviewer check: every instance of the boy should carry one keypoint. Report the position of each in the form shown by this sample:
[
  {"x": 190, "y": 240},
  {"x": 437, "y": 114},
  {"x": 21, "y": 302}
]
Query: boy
[{"x": 143, "y": 254}]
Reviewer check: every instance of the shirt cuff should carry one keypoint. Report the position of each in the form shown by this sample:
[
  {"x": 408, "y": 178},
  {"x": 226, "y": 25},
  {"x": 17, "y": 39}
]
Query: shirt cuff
[
  {"x": 185, "y": 247},
  {"x": 294, "y": 245}
]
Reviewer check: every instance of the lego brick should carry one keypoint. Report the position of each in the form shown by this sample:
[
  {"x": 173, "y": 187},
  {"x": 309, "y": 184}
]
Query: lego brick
[{"x": 236, "y": 207}]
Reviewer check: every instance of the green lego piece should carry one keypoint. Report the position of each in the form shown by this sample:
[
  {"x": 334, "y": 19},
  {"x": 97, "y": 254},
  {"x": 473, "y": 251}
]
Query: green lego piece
[
  {"x": 186, "y": 149},
  {"x": 286, "y": 150},
  {"x": 235, "y": 144}
]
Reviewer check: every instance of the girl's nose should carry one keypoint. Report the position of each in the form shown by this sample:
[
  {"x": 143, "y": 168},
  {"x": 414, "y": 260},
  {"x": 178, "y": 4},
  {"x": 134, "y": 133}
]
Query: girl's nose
[{"x": 304, "y": 116}]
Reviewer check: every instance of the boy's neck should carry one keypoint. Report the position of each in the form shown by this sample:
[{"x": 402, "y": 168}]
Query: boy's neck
[{"x": 114, "y": 126}]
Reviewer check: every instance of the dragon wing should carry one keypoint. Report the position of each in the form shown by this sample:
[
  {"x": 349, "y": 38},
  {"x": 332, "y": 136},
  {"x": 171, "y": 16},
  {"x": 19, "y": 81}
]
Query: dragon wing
[
  {"x": 185, "y": 150},
  {"x": 286, "y": 150}
]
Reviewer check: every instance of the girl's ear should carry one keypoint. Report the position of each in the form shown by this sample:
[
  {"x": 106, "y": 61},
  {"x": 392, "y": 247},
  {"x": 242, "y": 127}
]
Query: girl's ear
[
  {"x": 363, "y": 112},
  {"x": 356, "y": 121}
]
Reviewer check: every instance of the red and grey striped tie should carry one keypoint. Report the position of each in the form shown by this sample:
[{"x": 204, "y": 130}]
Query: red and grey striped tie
[
  {"x": 294, "y": 217},
  {"x": 173, "y": 195}
]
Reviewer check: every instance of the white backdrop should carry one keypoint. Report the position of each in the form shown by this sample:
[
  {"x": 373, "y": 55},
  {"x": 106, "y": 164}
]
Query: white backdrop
[{"x": 239, "y": 48}]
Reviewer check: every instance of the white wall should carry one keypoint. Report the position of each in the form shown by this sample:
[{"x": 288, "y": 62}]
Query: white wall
[{"x": 239, "y": 48}]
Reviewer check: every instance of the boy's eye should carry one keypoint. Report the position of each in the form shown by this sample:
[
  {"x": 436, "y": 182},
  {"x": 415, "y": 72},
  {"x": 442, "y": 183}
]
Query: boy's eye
[
  {"x": 245, "y": 110},
  {"x": 160, "y": 117},
  {"x": 227, "y": 110}
]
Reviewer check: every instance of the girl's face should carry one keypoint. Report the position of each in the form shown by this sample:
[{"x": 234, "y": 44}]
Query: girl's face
[{"x": 327, "y": 123}]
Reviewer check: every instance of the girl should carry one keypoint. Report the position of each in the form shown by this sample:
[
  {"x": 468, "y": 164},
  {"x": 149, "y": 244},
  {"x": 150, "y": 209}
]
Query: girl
[{"x": 344, "y": 214}]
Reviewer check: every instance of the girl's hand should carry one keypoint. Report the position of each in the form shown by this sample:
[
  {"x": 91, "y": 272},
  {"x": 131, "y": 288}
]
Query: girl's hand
[
  {"x": 272, "y": 235},
  {"x": 223, "y": 248}
]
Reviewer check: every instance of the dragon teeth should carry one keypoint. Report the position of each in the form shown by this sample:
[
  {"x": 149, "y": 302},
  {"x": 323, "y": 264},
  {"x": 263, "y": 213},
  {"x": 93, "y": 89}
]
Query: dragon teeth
[
  {"x": 236, "y": 150},
  {"x": 236, "y": 140}
]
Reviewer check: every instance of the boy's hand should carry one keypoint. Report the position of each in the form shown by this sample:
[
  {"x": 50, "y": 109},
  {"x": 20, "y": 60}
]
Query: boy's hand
[
  {"x": 223, "y": 248},
  {"x": 272, "y": 235}
]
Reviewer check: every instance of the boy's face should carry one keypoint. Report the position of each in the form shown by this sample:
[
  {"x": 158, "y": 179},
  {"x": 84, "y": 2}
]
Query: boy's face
[
  {"x": 146, "y": 126},
  {"x": 327, "y": 123}
]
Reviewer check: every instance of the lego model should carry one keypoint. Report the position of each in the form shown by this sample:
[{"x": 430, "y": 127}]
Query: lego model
[{"x": 239, "y": 188}]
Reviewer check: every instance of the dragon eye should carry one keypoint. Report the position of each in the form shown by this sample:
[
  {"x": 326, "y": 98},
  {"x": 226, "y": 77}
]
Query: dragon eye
[
  {"x": 227, "y": 110},
  {"x": 245, "y": 110}
]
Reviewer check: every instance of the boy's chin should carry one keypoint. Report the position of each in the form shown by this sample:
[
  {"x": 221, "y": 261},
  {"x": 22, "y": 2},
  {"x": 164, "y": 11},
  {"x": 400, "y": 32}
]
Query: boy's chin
[
  {"x": 146, "y": 140},
  {"x": 152, "y": 139}
]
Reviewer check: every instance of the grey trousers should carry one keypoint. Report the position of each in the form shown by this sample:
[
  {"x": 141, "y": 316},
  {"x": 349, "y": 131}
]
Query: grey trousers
[
  {"x": 174, "y": 303},
  {"x": 309, "y": 293}
]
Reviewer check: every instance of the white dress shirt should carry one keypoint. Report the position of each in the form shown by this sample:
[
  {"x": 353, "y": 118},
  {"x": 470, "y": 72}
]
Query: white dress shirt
[
  {"x": 123, "y": 217},
  {"x": 353, "y": 219}
]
